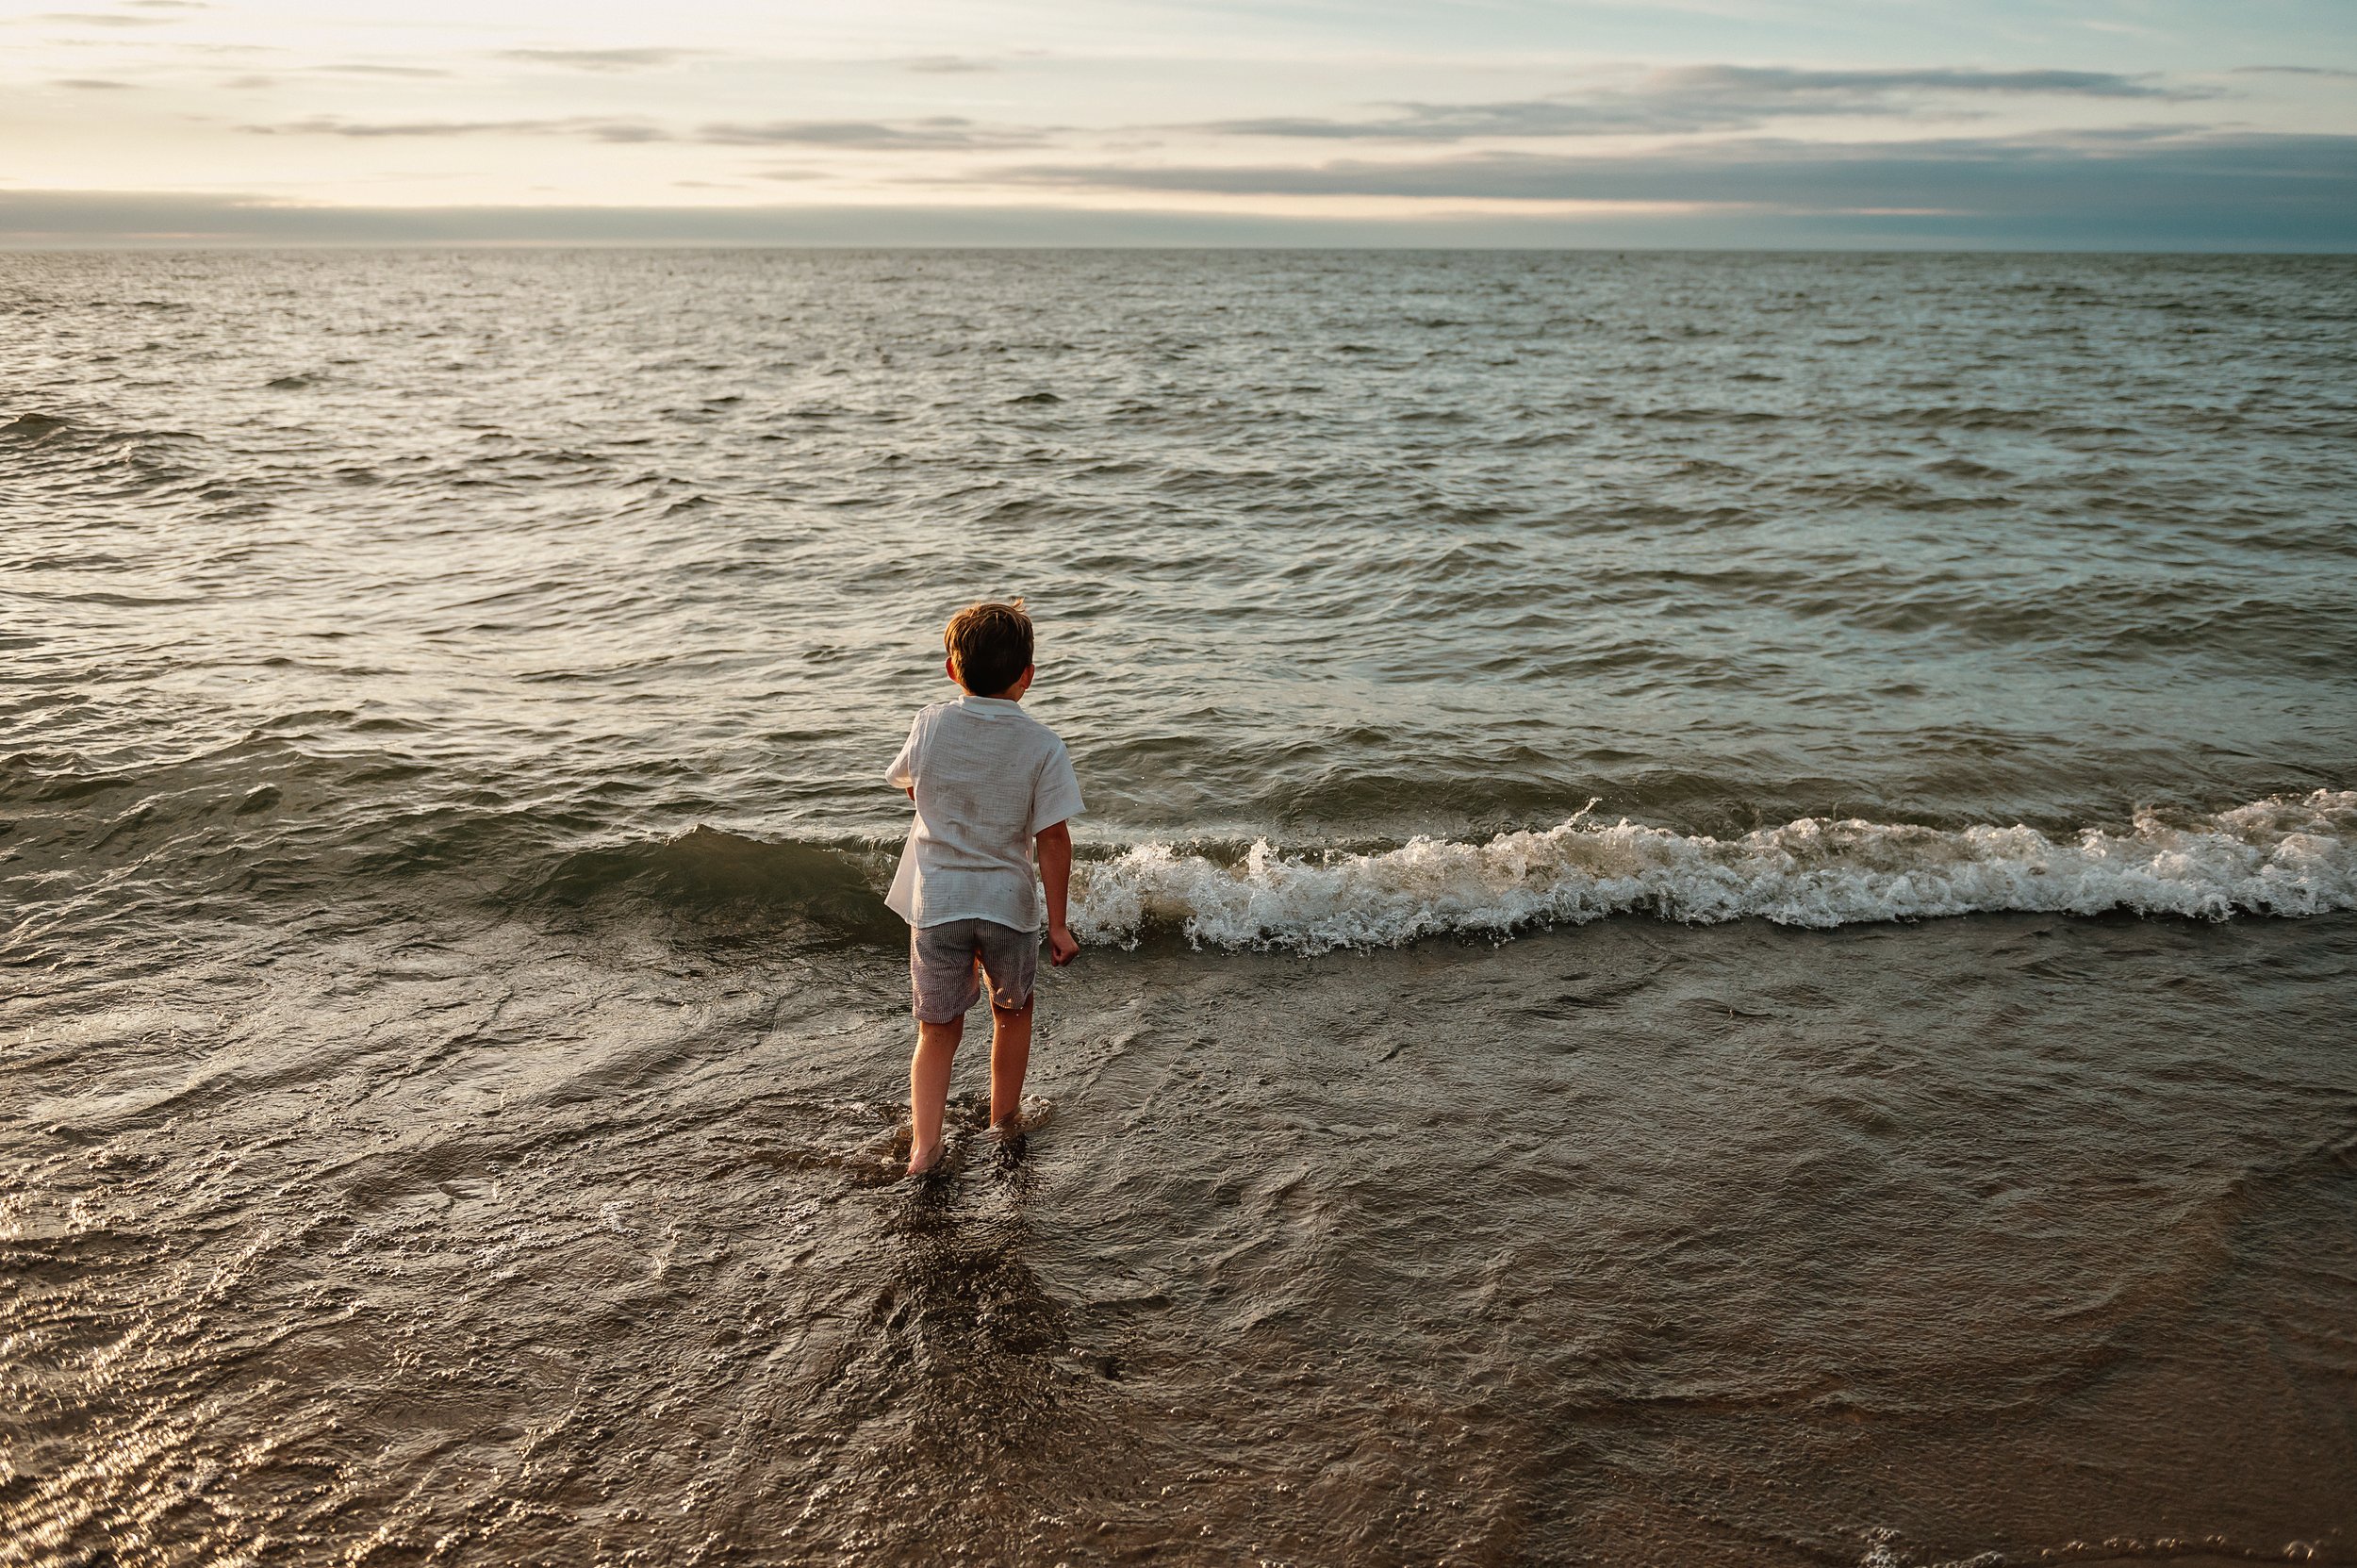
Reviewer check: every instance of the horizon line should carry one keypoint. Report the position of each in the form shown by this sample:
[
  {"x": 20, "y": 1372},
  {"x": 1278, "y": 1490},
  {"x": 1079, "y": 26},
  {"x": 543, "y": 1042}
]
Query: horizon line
[{"x": 34, "y": 243}]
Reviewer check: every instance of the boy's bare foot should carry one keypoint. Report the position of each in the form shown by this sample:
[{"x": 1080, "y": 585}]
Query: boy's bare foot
[
  {"x": 1034, "y": 1114},
  {"x": 922, "y": 1160}
]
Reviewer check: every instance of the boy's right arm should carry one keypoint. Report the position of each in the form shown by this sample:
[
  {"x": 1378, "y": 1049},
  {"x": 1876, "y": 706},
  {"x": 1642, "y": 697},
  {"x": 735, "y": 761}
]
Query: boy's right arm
[{"x": 903, "y": 769}]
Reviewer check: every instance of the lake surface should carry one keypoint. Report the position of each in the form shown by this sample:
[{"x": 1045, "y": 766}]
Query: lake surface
[{"x": 1719, "y": 893}]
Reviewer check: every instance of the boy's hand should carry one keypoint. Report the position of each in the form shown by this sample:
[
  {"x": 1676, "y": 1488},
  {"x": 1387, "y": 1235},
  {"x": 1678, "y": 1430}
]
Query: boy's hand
[{"x": 1062, "y": 949}]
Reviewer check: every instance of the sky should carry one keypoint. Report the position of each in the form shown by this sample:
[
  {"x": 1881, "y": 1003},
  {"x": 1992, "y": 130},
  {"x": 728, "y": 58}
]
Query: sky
[{"x": 2139, "y": 125}]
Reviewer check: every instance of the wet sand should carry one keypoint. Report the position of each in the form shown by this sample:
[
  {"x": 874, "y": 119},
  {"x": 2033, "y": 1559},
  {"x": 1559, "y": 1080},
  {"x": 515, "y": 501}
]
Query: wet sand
[{"x": 406, "y": 1240}]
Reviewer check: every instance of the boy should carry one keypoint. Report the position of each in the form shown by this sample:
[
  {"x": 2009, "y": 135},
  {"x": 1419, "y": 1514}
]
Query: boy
[{"x": 990, "y": 781}]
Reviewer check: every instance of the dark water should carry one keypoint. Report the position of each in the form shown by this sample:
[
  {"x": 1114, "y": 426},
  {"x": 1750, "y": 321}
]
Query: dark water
[{"x": 452, "y": 1039}]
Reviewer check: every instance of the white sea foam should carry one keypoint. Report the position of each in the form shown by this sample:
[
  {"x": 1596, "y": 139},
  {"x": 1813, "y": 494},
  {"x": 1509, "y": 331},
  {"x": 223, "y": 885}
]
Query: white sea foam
[{"x": 2283, "y": 856}]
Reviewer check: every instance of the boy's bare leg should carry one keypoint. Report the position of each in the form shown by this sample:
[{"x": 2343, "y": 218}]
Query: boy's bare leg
[
  {"x": 929, "y": 1088},
  {"x": 1010, "y": 1055}
]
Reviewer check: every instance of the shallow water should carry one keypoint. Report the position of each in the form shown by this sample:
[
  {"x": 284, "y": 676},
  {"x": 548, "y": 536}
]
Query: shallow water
[
  {"x": 1642, "y": 1244},
  {"x": 455, "y": 1043}
]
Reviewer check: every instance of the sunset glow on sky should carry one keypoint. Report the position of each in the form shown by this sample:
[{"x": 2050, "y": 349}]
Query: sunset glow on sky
[{"x": 2138, "y": 122}]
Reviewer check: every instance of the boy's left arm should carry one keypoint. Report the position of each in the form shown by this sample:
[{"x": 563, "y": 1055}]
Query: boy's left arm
[
  {"x": 1055, "y": 874},
  {"x": 1055, "y": 802}
]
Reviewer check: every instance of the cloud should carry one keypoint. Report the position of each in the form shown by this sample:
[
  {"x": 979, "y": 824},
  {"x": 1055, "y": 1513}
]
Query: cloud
[
  {"x": 2300, "y": 189},
  {"x": 91, "y": 84},
  {"x": 2095, "y": 84},
  {"x": 367, "y": 69},
  {"x": 936, "y": 133},
  {"x": 596, "y": 130},
  {"x": 176, "y": 219},
  {"x": 170, "y": 5},
  {"x": 2109, "y": 220},
  {"x": 102, "y": 19},
  {"x": 1701, "y": 98},
  {"x": 2291, "y": 71},
  {"x": 946, "y": 65},
  {"x": 598, "y": 59},
  {"x": 624, "y": 132}
]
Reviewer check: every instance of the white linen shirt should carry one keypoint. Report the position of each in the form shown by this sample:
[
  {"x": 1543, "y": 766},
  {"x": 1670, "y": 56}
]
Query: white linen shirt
[{"x": 989, "y": 778}]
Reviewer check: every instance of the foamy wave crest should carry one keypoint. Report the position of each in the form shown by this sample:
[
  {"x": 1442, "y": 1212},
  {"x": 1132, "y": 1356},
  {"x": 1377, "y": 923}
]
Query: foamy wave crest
[{"x": 2282, "y": 856}]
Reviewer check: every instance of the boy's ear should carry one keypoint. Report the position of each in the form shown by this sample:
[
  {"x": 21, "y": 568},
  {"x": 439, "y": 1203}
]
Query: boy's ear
[{"x": 949, "y": 667}]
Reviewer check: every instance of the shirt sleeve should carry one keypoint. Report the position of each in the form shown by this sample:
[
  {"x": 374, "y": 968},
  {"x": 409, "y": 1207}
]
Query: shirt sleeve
[
  {"x": 902, "y": 773},
  {"x": 1056, "y": 794}
]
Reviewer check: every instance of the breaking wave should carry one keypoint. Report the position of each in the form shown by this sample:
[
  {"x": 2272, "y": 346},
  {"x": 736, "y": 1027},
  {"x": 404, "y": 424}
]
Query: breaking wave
[
  {"x": 264, "y": 818},
  {"x": 2283, "y": 856}
]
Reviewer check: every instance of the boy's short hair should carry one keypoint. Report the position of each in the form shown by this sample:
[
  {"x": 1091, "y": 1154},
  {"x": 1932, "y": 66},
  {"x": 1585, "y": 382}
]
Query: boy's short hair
[{"x": 989, "y": 645}]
